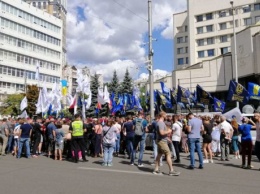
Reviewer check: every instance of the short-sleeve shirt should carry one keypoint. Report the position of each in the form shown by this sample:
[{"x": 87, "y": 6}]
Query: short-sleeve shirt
[
  {"x": 195, "y": 125},
  {"x": 25, "y": 130},
  {"x": 245, "y": 129},
  {"x": 129, "y": 129},
  {"x": 2, "y": 129},
  {"x": 177, "y": 130},
  {"x": 109, "y": 136},
  {"x": 50, "y": 128},
  {"x": 161, "y": 126},
  {"x": 59, "y": 135}
]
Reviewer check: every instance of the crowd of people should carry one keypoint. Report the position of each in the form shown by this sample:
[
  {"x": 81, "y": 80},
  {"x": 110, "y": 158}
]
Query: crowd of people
[{"x": 108, "y": 137}]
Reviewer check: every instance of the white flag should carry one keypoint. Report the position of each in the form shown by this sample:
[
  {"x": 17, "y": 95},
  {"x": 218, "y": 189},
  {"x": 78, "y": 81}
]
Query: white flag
[
  {"x": 24, "y": 115},
  {"x": 106, "y": 95},
  {"x": 37, "y": 74},
  {"x": 24, "y": 104},
  {"x": 39, "y": 105},
  {"x": 101, "y": 96},
  {"x": 88, "y": 101}
]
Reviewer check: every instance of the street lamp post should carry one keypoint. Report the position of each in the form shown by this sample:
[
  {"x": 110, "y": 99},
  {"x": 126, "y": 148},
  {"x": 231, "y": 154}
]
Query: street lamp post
[{"x": 235, "y": 46}]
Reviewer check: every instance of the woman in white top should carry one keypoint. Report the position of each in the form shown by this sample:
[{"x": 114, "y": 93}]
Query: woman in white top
[{"x": 176, "y": 136}]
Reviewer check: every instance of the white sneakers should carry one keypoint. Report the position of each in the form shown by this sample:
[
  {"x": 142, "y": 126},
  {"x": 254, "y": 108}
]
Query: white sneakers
[
  {"x": 237, "y": 157},
  {"x": 207, "y": 161}
]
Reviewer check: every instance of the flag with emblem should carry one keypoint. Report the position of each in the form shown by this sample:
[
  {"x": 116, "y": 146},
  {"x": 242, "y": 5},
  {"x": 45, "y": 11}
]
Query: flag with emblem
[
  {"x": 203, "y": 96},
  {"x": 237, "y": 92},
  {"x": 254, "y": 91},
  {"x": 219, "y": 106}
]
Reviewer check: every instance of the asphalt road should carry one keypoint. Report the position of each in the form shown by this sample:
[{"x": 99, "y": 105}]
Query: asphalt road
[{"x": 46, "y": 176}]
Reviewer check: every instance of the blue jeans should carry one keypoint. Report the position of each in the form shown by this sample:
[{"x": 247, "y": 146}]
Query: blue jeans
[
  {"x": 130, "y": 147},
  {"x": 10, "y": 145},
  {"x": 155, "y": 151},
  {"x": 23, "y": 141},
  {"x": 235, "y": 143},
  {"x": 117, "y": 144},
  {"x": 108, "y": 153},
  {"x": 137, "y": 140},
  {"x": 195, "y": 143}
]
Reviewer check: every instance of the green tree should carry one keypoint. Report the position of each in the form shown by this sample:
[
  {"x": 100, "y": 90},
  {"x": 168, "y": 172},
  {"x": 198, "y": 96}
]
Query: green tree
[
  {"x": 11, "y": 105},
  {"x": 32, "y": 97},
  {"x": 94, "y": 85},
  {"x": 127, "y": 84},
  {"x": 113, "y": 86}
]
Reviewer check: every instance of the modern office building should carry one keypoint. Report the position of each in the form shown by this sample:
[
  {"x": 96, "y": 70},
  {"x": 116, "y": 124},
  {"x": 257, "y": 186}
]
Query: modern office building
[
  {"x": 28, "y": 36},
  {"x": 205, "y": 30}
]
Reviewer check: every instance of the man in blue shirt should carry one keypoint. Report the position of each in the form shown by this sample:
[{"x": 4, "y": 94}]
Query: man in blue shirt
[
  {"x": 194, "y": 128},
  {"x": 51, "y": 136},
  {"x": 25, "y": 134},
  {"x": 140, "y": 137}
]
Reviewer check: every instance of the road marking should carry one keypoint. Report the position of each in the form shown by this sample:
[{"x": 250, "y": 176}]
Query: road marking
[{"x": 118, "y": 171}]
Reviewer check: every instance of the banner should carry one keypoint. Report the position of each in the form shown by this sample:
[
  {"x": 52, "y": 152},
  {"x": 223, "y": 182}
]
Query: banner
[
  {"x": 183, "y": 95},
  {"x": 219, "y": 106},
  {"x": 254, "y": 91},
  {"x": 164, "y": 100},
  {"x": 203, "y": 96},
  {"x": 237, "y": 92}
]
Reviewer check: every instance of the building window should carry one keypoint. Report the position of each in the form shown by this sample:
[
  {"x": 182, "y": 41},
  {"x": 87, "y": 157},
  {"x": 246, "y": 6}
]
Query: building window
[
  {"x": 187, "y": 60},
  {"x": 200, "y": 54},
  {"x": 186, "y": 28},
  {"x": 210, "y": 41},
  {"x": 186, "y": 50},
  {"x": 223, "y": 26},
  {"x": 44, "y": 5},
  {"x": 224, "y": 50},
  {"x": 180, "y": 61},
  {"x": 209, "y": 16},
  {"x": 200, "y": 30},
  {"x": 180, "y": 40},
  {"x": 34, "y": 4},
  {"x": 222, "y": 14},
  {"x": 211, "y": 53},
  {"x": 186, "y": 38},
  {"x": 257, "y": 19},
  {"x": 257, "y": 6},
  {"x": 247, "y": 8},
  {"x": 209, "y": 28},
  {"x": 199, "y": 18},
  {"x": 200, "y": 42},
  {"x": 39, "y": 5},
  {"x": 179, "y": 50},
  {"x": 247, "y": 21}
]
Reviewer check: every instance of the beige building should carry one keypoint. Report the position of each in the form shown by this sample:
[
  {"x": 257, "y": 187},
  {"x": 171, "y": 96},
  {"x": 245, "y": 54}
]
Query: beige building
[
  {"x": 214, "y": 74},
  {"x": 204, "y": 31}
]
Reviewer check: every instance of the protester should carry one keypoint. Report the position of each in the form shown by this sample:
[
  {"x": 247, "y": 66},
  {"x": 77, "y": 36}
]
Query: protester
[
  {"x": 36, "y": 136},
  {"x": 163, "y": 148},
  {"x": 154, "y": 137},
  {"x": 234, "y": 125},
  {"x": 110, "y": 132},
  {"x": 77, "y": 141},
  {"x": 59, "y": 142},
  {"x": 246, "y": 141},
  {"x": 51, "y": 136},
  {"x": 176, "y": 136},
  {"x": 98, "y": 138},
  {"x": 4, "y": 133},
  {"x": 118, "y": 137},
  {"x": 207, "y": 139},
  {"x": 194, "y": 128},
  {"x": 257, "y": 142},
  {"x": 140, "y": 127},
  {"x": 17, "y": 135},
  {"x": 25, "y": 135},
  {"x": 10, "y": 125},
  {"x": 225, "y": 138}
]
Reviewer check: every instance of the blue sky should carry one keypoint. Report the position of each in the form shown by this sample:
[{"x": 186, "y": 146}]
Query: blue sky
[{"x": 106, "y": 36}]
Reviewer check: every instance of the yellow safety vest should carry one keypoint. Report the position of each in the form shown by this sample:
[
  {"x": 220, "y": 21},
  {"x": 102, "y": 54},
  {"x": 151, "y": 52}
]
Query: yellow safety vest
[{"x": 77, "y": 128}]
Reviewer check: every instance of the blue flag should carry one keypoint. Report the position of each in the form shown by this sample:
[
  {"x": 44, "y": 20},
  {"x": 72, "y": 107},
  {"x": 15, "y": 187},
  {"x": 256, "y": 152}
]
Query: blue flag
[
  {"x": 166, "y": 91},
  {"x": 183, "y": 95},
  {"x": 219, "y": 106},
  {"x": 203, "y": 96},
  {"x": 254, "y": 91},
  {"x": 237, "y": 92},
  {"x": 164, "y": 100}
]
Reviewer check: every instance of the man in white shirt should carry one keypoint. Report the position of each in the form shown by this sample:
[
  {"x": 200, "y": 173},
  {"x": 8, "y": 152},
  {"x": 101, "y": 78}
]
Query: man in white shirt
[
  {"x": 257, "y": 142},
  {"x": 118, "y": 139},
  {"x": 225, "y": 138},
  {"x": 176, "y": 136}
]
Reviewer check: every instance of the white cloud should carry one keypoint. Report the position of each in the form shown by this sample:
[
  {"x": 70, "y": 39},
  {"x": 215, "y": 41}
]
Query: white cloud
[{"x": 105, "y": 36}]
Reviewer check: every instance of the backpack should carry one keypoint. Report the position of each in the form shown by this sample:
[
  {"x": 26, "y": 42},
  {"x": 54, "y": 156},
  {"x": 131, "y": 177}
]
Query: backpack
[{"x": 139, "y": 128}]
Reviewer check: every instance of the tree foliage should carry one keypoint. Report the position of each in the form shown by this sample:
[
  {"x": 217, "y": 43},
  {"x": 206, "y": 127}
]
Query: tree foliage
[
  {"x": 94, "y": 85},
  {"x": 127, "y": 84},
  {"x": 32, "y": 97},
  {"x": 113, "y": 86},
  {"x": 11, "y": 105}
]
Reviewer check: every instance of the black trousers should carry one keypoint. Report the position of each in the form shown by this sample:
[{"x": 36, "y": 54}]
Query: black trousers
[
  {"x": 176, "y": 147},
  {"x": 78, "y": 144},
  {"x": 36, "y": 140}
]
